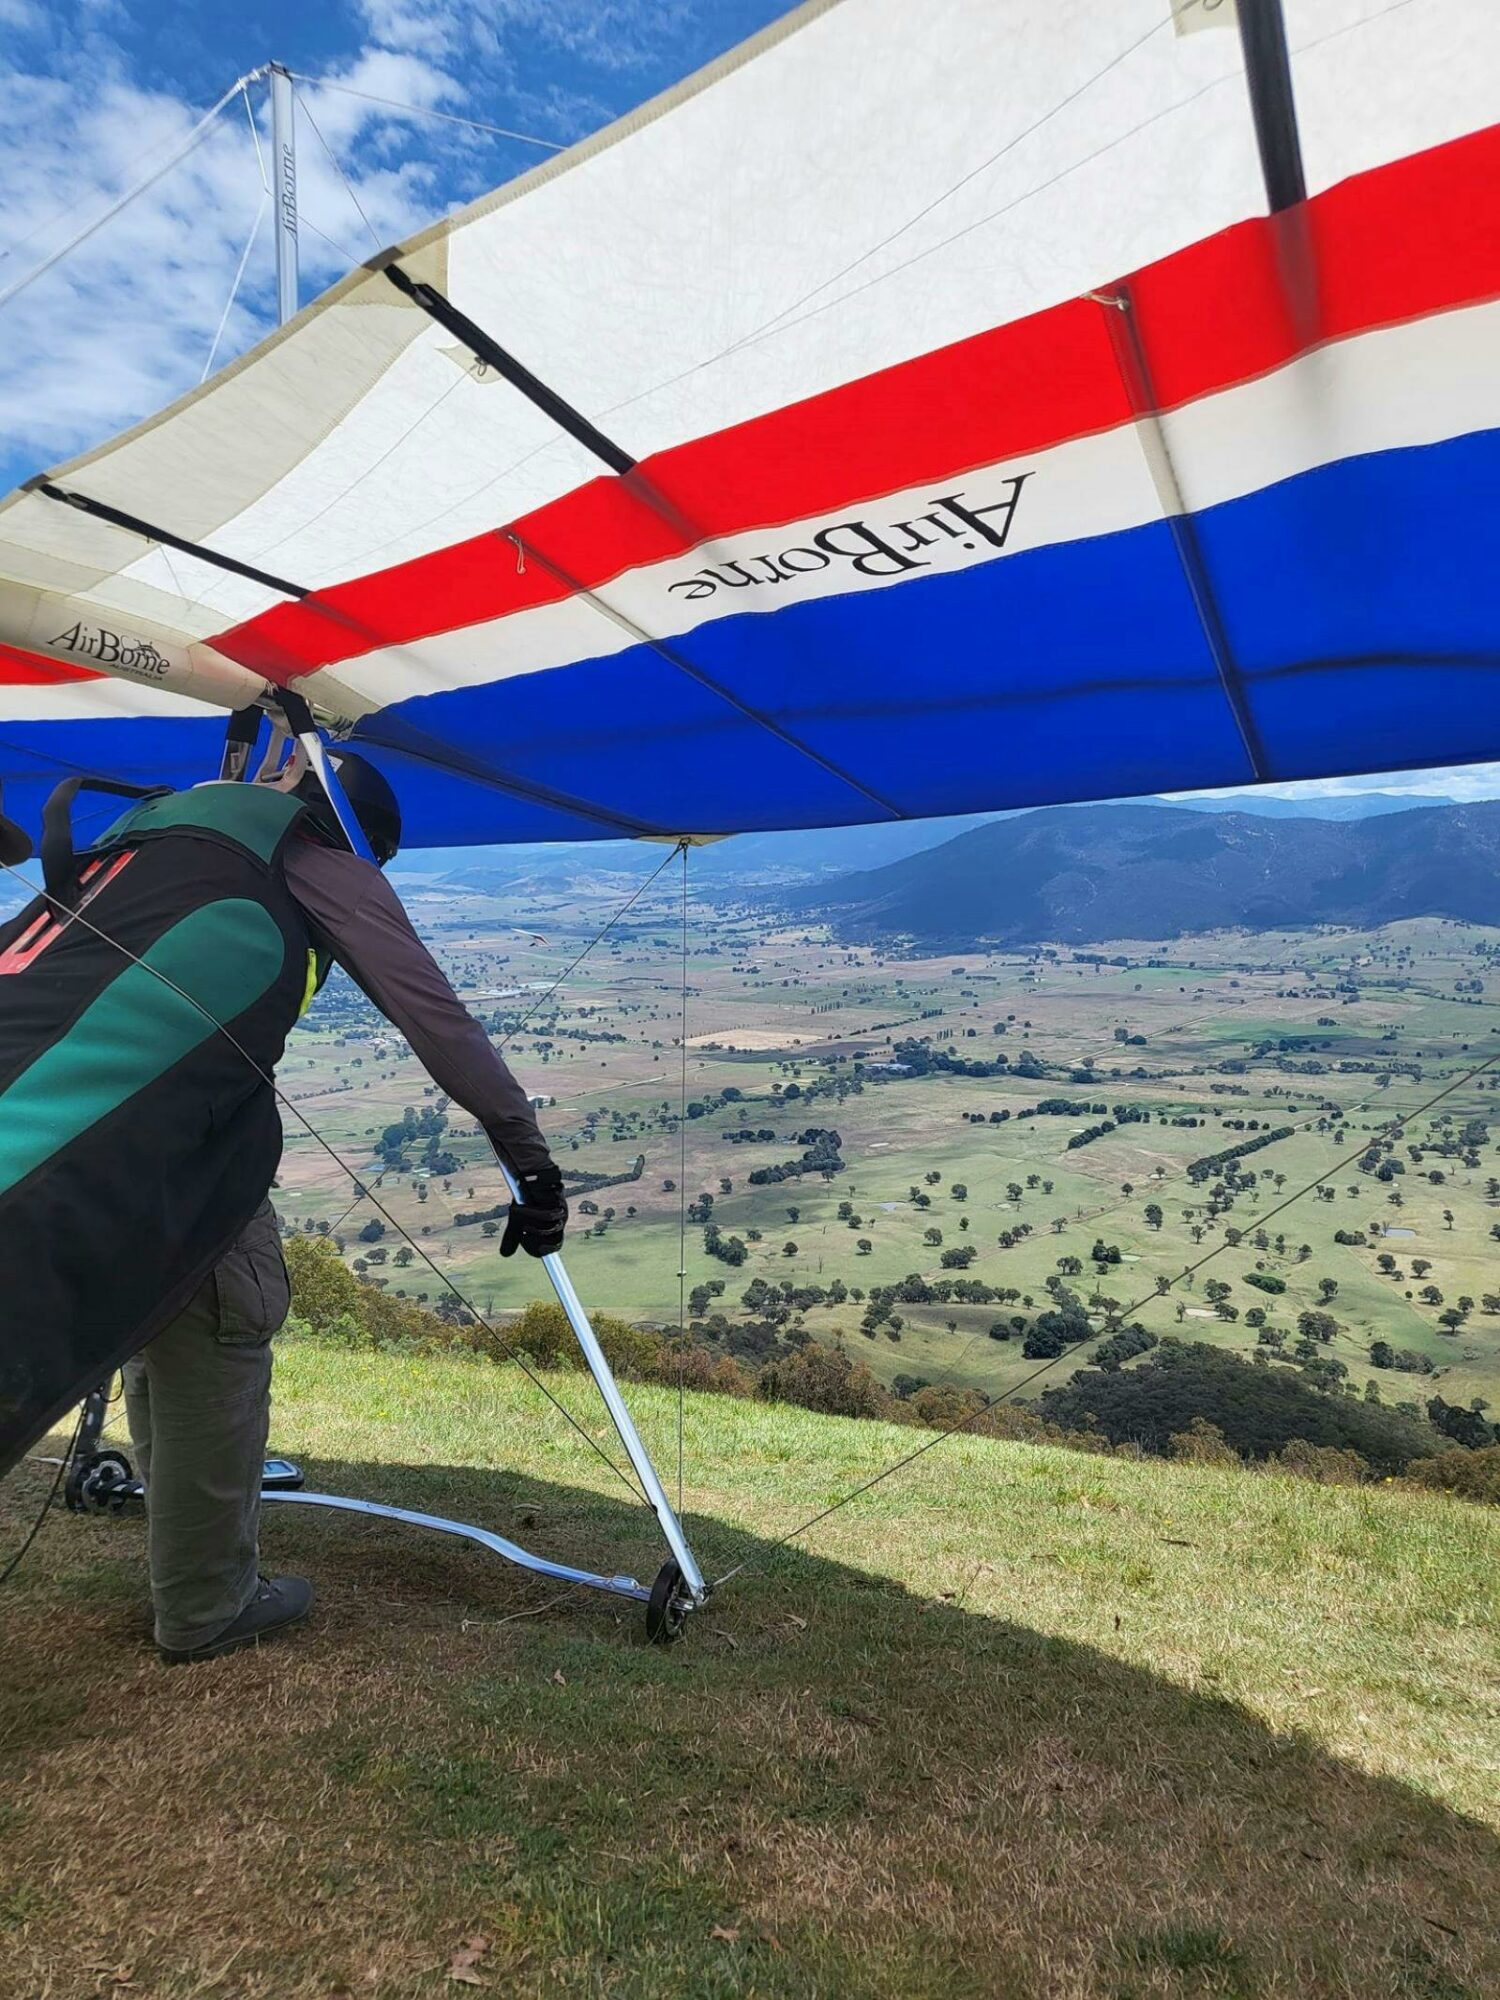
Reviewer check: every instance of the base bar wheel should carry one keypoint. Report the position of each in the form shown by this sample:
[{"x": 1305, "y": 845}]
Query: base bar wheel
[
  {"x": 103, "y": 1484},
  {"x": 666, "y": 1613}
]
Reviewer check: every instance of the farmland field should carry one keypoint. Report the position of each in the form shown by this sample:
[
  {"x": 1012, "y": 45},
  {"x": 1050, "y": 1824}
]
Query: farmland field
[{"x": 1180, "y": 1050}]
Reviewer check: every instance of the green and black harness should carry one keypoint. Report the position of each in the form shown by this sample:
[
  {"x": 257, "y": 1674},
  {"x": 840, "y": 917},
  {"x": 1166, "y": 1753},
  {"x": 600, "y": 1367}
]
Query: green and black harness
[{"x": 145, "y": 1000}]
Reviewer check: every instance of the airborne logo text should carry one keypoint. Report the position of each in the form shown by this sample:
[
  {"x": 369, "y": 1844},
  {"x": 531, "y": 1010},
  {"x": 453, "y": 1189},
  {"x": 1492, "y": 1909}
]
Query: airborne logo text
[
  {"x": 950, "y": 520},
  {"x": 125, "y": 656}
]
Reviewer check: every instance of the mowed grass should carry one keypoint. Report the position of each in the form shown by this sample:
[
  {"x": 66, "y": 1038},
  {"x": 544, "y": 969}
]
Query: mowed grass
[{"x": 1018, "y": 1722}]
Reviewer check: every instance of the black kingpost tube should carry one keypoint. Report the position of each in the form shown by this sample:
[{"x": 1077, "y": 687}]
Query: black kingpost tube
[{"x": 1268, "y": 69}]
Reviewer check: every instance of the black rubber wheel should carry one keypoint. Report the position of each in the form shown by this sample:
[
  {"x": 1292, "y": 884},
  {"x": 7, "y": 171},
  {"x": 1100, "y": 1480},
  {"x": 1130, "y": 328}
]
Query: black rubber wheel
[
  {"x": 666, "y": 1614},
  {"x": 87, "y": 1490},
  {"x": 109, "y": 1486}
]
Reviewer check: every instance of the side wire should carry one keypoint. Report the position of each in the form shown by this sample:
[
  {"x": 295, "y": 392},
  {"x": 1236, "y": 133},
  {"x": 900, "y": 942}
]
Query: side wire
[
  {"x": 682, "y": 1180},
  {"x": 1395, "y": 1125},
  {"x": 569, "y": 969},
  {"x": 334, "y": 162},
  {"x": 511, "y": 1354},
  {"x": 430, "y": 111}
]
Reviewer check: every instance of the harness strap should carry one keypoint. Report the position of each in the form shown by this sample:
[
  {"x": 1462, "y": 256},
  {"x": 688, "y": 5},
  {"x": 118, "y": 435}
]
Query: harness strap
[{"x": 59, "y": 862}]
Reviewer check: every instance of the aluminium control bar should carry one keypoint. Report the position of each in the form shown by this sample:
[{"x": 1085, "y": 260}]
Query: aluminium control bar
[{"x": 620, "y": 1417}]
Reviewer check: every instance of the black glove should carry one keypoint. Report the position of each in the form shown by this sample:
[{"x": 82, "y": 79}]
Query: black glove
[{"x": 538, "y": 1219}]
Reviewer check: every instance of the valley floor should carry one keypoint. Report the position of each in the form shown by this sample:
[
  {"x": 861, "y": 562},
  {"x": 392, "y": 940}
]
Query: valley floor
[
  {"x": 1018, "y": 1723},
  {"x": 1110, "y": 1074}
]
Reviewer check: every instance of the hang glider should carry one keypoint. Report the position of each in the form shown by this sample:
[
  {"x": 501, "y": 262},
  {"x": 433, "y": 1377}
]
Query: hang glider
[{"x": 922, "y": 410}]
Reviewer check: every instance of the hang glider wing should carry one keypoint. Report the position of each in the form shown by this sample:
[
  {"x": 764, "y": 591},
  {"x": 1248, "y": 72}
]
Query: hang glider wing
[{"x": 920, "y": 411}]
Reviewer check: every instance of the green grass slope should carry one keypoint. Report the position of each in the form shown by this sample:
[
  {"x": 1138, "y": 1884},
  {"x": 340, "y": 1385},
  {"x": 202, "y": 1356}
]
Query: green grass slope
[{"x": 1019, "y": 1722}]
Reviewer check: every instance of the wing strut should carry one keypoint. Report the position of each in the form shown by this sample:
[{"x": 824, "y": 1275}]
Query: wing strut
[{"x": 578, "y": 427}]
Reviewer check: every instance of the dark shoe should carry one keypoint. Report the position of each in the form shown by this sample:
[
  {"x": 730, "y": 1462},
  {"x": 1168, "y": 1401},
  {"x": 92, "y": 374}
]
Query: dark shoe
[{"x": 279, "y": 1602}]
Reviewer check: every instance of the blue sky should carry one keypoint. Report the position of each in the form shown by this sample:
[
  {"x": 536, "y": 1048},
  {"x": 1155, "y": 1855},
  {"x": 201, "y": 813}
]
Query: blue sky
[{"x": 94, "y": 92}]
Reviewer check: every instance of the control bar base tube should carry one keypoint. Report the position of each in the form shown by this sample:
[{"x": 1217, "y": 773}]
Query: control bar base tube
[{"x": 511, "y": 1552}]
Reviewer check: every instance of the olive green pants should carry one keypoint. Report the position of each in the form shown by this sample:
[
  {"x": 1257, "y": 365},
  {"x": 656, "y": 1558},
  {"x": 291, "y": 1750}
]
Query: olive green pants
[{"x": 199, "y": 1403}]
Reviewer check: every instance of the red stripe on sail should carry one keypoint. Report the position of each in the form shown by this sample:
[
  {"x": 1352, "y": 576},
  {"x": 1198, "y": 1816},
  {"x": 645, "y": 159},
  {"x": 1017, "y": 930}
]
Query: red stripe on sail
[
  {"x": 23, "y": 669},
  {"x": 1399, "y": 243}
]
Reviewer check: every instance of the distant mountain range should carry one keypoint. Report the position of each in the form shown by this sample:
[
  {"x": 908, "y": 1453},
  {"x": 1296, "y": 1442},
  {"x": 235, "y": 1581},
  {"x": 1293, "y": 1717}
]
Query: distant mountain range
[
  {"x": 1085, "y": 874},
  {"x": 768, "y": 859},
  {"x": 1339, "y": 806}
]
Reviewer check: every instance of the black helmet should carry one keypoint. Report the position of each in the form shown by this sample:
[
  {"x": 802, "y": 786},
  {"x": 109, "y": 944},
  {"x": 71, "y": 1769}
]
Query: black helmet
[{"x": 370, "y": 798}]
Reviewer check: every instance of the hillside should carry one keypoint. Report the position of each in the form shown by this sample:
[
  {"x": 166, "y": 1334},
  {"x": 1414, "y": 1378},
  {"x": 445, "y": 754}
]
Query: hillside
[
  {"x": 1086, "y": 875},
  {"x": 1334, "y": 805},
  {"x": 1019, "y": 1722},
  {"x": 809, "y": 854}
]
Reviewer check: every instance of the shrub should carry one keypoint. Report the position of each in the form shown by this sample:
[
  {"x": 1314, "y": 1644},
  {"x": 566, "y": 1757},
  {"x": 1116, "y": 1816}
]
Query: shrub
[
  {"x": 1466, "y": 1427},
  {"x": 1123, "y": 1346},
  {"x": 1264, "y": 1281},
  {"x": 826, "y": 1380},
  {"x": 1467, "y": 1475},
  {"x": 323, "y": 1291},
  {"x": 1328, "y": 1464},
  {"x": 1407, "y": 1359},
  {"x": 940, "y": 1408},
  {"x": 674, "y": 1359},
  {"x": 1202, "y": 1443}
]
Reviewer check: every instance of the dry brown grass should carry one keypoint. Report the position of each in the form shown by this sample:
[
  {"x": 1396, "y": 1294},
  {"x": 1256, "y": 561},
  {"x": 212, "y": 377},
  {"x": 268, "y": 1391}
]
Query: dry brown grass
[{"x": 1083, "y": 1782}]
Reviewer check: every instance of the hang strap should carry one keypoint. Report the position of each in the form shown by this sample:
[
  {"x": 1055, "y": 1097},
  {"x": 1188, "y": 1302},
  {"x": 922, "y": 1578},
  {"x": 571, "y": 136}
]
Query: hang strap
[
  {"x": 15, "y": 842},
  {"x": 59, "y": 862}
]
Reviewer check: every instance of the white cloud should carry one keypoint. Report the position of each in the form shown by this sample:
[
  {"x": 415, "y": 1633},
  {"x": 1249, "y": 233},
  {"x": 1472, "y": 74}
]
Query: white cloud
[
  {"x": 125, "y": 322},
  {"x": 610, "y": 34},
  {"x": 431, "y": 28}
]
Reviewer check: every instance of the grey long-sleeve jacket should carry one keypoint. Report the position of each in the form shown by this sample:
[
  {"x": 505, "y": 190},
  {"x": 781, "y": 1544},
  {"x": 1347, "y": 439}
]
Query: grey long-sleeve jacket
[{"x": 357, "y": 916}]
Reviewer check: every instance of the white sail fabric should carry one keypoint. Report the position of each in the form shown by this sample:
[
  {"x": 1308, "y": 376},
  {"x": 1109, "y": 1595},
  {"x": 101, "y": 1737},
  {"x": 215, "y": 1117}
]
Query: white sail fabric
[{"x": 865, "y": 189}]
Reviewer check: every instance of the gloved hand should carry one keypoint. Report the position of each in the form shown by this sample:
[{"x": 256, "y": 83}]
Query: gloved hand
[{"x": 538, "y": 1219}]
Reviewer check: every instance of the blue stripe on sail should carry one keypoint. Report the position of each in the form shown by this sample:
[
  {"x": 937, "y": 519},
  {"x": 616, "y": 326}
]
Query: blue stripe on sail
[{"x": 1360, "y": 600}]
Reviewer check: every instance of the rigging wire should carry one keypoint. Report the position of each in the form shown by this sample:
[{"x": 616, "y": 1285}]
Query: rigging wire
[
  {"x": 536, "y": 1008},
  {"x": 782, "y": 324},
  {"x": 333, "y": 160},
  {"x": 572, "y": 967},
  {"x": 260, "y": 158},
  {"x": 772, "y": 328},
  {"x": 234, "y": 289},
  {"x": 511, "y": 1354},
  {"x": 963, "y": 181},
  {"x": 430, "y": 111},
  {"x": 194, "y": 138},
  {"x": 270, "y": 552},
  {"x": 1396, "y": 1124},
  {"x": 348, "y": 255}
]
